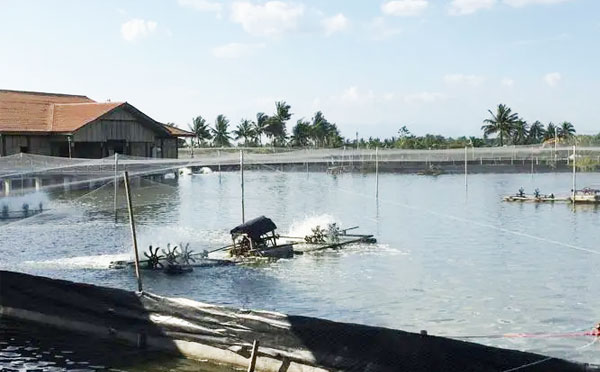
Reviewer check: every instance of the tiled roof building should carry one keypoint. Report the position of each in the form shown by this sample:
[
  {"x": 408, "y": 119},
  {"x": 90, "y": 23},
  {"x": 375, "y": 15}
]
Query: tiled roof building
[{"x": 77, "y": 126}]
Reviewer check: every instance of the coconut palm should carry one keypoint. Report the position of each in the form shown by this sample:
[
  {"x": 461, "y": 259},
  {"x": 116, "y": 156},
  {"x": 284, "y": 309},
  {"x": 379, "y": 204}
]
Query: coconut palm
[
  {"x": 200, "y": 128},
  {"x": 536, "y": 132},
  {"x": 520, "y": 132},
  {"x": 566, "y": 130},
  {"x": 501, "y": 123},
  {"x": 244, "y": 130},
  {"x": 301, "y": 133},
  {"x": 551, "y": 132},
  {"x": 220, "y": 132},
  {"x": 276, "y": 124},
  {"x": 259, "y": 127}
]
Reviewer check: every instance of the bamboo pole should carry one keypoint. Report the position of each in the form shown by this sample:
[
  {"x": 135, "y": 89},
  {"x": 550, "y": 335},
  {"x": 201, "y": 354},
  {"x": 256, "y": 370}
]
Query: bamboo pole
[
  {"x": 242, "y": 184},
  {"x": 252, "y": 364},
  {"x": 133, "y": 236},
  {"x": 116, "y": 182}
]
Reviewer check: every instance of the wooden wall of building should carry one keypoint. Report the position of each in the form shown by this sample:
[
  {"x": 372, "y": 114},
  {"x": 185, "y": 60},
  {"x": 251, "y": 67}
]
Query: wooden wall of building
[
  {"x": 118, "y": 131},
  {"x": 119, "y": 125}
]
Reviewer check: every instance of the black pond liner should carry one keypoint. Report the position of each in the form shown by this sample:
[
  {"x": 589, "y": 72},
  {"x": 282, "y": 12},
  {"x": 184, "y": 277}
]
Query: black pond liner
[{"x": 219, "y": 334}]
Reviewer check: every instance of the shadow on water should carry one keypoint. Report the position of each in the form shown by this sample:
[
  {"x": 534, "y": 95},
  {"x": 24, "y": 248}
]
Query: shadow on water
[{"x": 27, "y": 347}]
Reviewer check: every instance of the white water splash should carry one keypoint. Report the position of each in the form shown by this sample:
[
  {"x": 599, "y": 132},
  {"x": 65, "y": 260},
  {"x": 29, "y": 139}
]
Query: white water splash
[
  {"x": 304, "y": 227},
  {"x": 84, "y": 262}
]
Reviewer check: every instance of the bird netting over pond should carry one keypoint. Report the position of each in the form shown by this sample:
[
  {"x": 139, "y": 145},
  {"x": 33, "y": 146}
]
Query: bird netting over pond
[{"x": 29, "y": 164}]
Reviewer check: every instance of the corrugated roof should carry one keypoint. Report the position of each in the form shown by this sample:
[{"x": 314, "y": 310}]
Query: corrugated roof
[{"x": 37, "y": 112}]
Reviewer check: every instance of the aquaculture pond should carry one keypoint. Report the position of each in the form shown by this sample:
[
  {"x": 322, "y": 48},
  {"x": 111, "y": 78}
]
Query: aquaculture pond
[{"x": 452, "y": 259}]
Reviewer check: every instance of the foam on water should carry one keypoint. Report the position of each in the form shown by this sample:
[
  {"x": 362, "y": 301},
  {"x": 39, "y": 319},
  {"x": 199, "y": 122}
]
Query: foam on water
[
  {"x": 99, "y": 262},
  {"x": 304, "y": 227}
]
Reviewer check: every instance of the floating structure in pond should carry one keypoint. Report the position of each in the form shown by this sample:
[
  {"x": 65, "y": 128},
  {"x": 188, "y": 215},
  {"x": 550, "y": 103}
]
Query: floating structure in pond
[
  {"x": 536, "y": 197},
  {"x": 586, "y": 195},
  {"x": 253, "y": 241},
  {"x": 257, "y": 238},
  {"x": 25, "y": 211}
]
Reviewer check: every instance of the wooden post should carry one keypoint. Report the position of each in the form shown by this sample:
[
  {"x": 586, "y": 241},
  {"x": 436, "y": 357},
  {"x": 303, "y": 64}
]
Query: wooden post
[
  {"x": 133, "y": 236},
  {"x": 376, "y": 172},
  {"x": 116, "y": 182},
  {"x": 242, "y": 183},
  {"x": 253, "y": 356}
]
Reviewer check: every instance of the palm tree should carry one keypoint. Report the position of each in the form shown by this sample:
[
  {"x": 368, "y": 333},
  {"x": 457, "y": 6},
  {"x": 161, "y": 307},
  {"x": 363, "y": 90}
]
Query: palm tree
[
  {"x": 536, "y": 132},
  {"x": 551, "y": 132},
  {"x": 566, "y": 130},
  {"x": 221, "y": 131},
  {"x": 200, "y": 128},
  {"x": 244, "y": 130},
  {"x": 319, "y": 129},
  {"x": 501, "y": 123},
  {"x": 520, "y": 132},
  {"x": 276, "y": 124},
  {"x": 301, "y": 133},
  {"x": 260, "y": 126}
]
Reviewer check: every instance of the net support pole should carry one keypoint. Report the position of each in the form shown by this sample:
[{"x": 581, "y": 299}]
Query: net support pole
[
  {"x": 116, "y": 184},
  {"x": 242, "y": 183},
  {"x": 574, "y": 176},
  {"x": 466, "y": 164},
  {"x": 532, "y": 161},
  {"x": 376, "y": 172},
  {"x": 133, "y": 236},
  {"x": 219, "y": 163}
]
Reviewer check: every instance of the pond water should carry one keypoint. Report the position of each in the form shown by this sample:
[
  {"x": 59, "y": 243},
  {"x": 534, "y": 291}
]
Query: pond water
[{"x": 454, "y": 260}]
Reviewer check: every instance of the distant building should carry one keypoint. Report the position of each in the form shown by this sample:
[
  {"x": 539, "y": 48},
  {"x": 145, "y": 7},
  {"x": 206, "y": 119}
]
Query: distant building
[{"x": 79, "y": 127}]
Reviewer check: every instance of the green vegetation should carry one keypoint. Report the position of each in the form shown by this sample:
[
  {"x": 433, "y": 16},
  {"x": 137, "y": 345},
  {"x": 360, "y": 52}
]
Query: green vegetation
[{"x": 503, "y": 127}]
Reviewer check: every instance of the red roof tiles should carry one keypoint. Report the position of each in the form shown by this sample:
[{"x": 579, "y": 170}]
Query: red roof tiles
[{"x": 36, "y": 112}]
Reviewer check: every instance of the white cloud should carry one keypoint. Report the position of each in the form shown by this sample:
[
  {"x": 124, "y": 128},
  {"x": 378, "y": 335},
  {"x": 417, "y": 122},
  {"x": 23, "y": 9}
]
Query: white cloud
[
  {"x": 461, "y": 79},
  {"x": 381, "y": 30},
  {"x": 522, "y": 3},
  {"x": 334, "y": 24},
  {"x": 236, "y": 50},
  {"x": 354, "y": 95},
  {"x": 464, "y": 7},
  {"x": 272, "y": 18},
  {"x": 423, "y": 97},
  {"x": 507, "y": 82},
  {"x": 552, "y": 79},
  {"x": 404, "y": 8},
  {"x": 137, "y": 28},
  {"x": 201, "y": 5}
]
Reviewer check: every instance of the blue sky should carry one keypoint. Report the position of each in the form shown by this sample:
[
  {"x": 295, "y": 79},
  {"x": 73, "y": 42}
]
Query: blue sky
[{"x": 371, "y": 66}]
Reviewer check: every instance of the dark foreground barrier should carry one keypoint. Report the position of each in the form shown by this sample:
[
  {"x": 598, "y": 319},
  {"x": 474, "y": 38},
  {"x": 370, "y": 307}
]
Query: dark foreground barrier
[{"x": 225, "y": 335}]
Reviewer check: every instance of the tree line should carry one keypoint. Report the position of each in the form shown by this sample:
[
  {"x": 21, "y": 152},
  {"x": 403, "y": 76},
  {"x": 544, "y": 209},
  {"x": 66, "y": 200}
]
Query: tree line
[
  {"x": 316, "y": 132},
  {"x": 503, "y": 127}
]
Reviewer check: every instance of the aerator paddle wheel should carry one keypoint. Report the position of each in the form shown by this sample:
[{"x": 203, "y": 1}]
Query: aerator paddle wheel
[
  {"x": 170, "y": 255},
  {"x": 153, "y": 259},
  {"x": 186, "y": 254}
]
